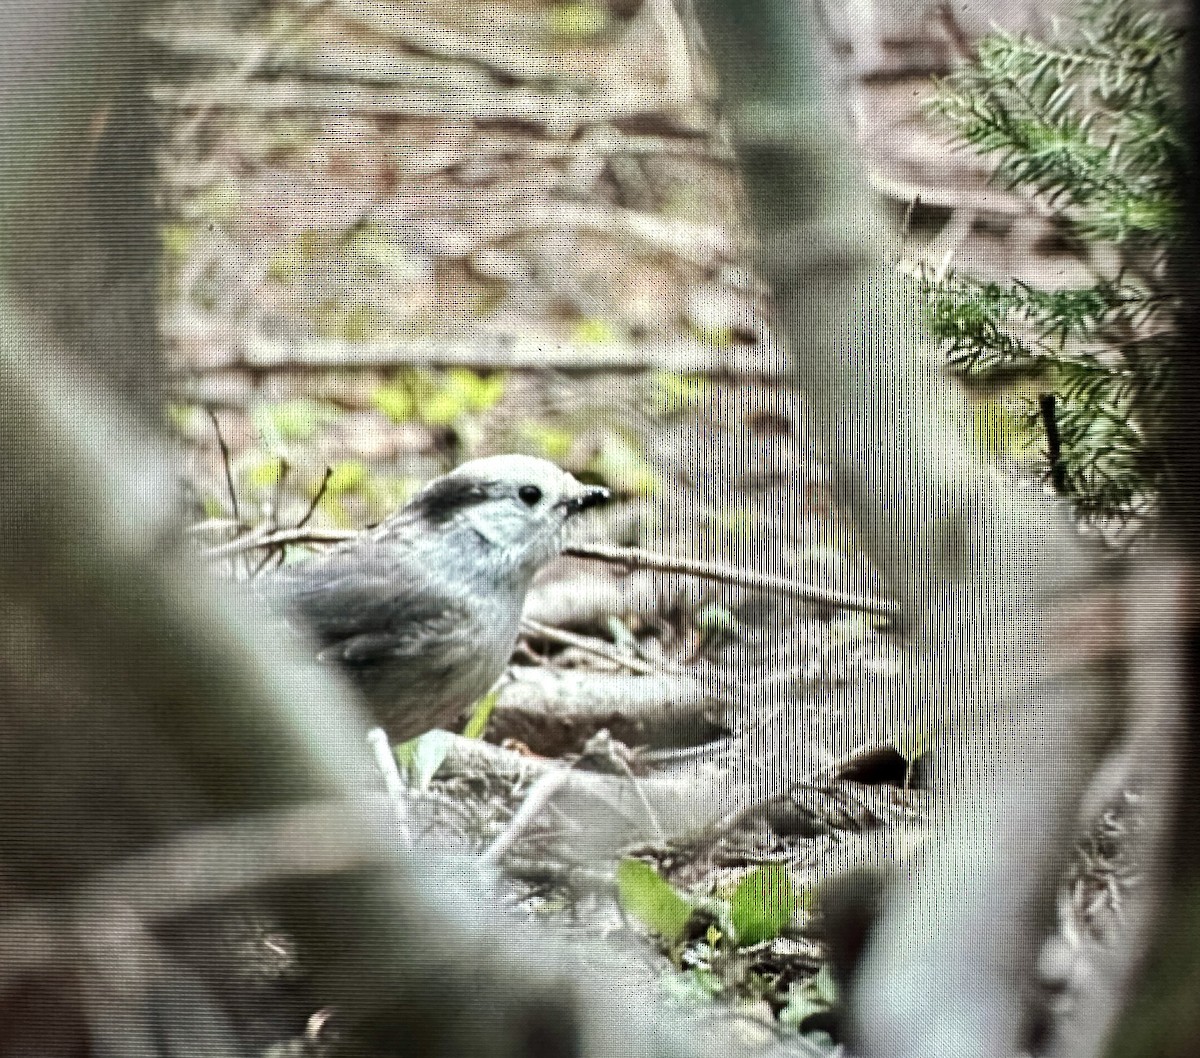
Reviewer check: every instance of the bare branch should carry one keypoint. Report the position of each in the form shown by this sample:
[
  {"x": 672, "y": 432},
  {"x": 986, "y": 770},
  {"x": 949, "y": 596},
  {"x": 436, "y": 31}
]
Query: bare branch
[
  {"x": 225, "y": 463},
  {"x": 317, "y": 497},
  {"x": 638, "y": 558},
  {"x": 282, "y": 536},
  {"x": 597, "y": 647}
]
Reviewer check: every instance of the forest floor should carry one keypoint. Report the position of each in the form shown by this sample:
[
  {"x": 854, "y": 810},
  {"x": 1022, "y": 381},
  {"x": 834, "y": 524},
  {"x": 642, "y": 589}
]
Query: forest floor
[{"x": 387, "y": 254}]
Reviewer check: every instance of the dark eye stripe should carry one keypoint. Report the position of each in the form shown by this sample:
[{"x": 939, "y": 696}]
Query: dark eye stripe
[{"x": 441, "y": 500}]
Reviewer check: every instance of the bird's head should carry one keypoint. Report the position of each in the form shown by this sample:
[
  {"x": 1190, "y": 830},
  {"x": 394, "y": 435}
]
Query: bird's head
[{"x": 508, "y": 509}]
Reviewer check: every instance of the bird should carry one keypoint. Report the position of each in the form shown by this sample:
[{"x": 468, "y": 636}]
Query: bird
[{"x": 421, "y": 612}]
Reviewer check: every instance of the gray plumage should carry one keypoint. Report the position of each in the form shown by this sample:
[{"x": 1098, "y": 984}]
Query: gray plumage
[{"x": 422, "y": 612}]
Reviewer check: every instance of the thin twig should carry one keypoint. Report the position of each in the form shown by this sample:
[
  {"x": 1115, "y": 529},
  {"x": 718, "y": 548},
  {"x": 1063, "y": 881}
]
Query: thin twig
[
  {"x": 267, "y": 559},
  {"x": 214, "y": 525},
  {"x": 514, "y": 352},
  {"x": 225, "y": 462},
  {"x": 629, "y": 557},
  {"x": 602, "y": 745},
  {"x": 638, "y": 558},
  {"x": 959, "y": 44},
  {"x": 277, "y": 495},
  {"x": 532, "y": 807},
  {"x": 273, "y": 518},
  {"x": 283, "y": 536},
  {"x": 320, "y": 494},
  {"x": 598, "y": 647},
  {"x": 906, "y": 225},
  {"x": 269, "y": 537}
]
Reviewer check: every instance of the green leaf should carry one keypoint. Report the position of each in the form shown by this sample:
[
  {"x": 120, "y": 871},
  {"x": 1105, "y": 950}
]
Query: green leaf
[
  {"x": 621, "y": 464},
  {"x": 286, "y": 265},
  {"x": 622, "y": 636},
  {"x": 263, "y": 472},
  {"x": 717, "y": 620},
  {"x": 181, "y": 416},
  {"x": 805, "y": 998},
  {"x": 674, "y": 393},
  {"x": 395, "y": 401},
  {"x": 763, "y": 904},
  {"x": 349, "y": 475},
  {"x": 999, "y": 428},
  {"x": 913, "y": 744},
  {"x": 594, "y": 332},
  {"x": 443, "y": 408},
  {"x": 291, "y": 420},
  {"x": 716, "y": 337},
  {"x": 552, "y": 442},
  {"x": 477, "y": 392},
  {"x": 849, "y": 628},
  {"x": 176, "y": 241},
  {"x": 576, "y": 21},
  {"x": 651, "y": 900},
  {"x": 419, "y": 758},
  {"x": 481, "y": 713},
  {"x": 383, "y": 494}
]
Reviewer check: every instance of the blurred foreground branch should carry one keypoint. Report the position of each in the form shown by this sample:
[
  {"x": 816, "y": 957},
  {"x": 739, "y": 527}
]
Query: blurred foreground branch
[
  {"x": 980, "y": 567},
  {"x": 166, "y": 761}
]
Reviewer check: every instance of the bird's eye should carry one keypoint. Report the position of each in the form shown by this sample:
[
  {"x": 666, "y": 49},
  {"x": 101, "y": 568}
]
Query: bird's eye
[{"x": 529, "y": 495}]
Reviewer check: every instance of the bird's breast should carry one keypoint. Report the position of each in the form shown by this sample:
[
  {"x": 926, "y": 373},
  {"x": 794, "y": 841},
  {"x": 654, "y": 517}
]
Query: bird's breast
[{"x": 433, "y": 688}]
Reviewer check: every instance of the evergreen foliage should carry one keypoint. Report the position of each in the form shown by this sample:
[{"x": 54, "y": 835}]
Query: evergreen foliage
[{"x": 1090, "y": 124}]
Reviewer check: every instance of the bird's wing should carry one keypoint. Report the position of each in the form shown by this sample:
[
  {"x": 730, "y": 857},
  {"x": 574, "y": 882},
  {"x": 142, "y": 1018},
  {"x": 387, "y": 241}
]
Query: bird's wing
[{"x": 364, "y": 605}]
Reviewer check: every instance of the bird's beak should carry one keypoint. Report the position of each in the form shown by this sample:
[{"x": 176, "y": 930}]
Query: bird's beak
[{"x": 592, "y": 496}]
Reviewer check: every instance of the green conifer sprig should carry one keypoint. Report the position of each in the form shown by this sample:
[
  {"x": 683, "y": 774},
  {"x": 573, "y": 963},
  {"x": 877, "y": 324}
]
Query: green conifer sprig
[{"x": 1090, "y": 125}]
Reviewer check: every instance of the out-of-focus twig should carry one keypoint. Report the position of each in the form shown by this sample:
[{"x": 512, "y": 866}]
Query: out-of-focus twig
[
  {"x": 630, "y": 557},
  {"x": 316, "y": 500},
  {"x": 302, "y": 535},
  {"x": 597, "y": 647},
  {"x": 638, "y": 558},
  {"x": 225, "y": 463}
]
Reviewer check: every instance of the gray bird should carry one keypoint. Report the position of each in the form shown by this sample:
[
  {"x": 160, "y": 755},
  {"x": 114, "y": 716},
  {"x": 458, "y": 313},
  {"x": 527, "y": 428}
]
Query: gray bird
[{"x": 422, "y": 611}]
